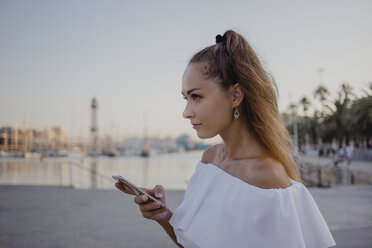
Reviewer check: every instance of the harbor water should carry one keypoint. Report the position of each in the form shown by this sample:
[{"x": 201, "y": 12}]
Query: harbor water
[{"x": 170, "y": 170}]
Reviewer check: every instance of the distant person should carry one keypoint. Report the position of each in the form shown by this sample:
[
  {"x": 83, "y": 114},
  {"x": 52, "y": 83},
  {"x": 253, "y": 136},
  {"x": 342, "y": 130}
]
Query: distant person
[
  {"x": 337, "y": 155},
  {"x": 320, "y": 151},
  {"x": 247, "y": 191},
  {"x": 349, "y": 154},
  {"x": 342, "y": 152}
]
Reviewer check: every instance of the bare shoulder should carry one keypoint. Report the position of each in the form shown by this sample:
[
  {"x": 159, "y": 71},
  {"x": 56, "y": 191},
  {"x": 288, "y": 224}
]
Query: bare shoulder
[
  {"x": 271, "y": 175},
  {"x": 210, "y": 153}
]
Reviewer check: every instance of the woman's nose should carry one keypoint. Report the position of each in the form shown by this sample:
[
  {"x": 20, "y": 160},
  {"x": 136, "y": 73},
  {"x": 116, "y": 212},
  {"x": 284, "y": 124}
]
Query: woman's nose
[{"x": 187, "y": 113}]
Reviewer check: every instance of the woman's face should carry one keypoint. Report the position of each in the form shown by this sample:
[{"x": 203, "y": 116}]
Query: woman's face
[{"x": 208, "y": 107}]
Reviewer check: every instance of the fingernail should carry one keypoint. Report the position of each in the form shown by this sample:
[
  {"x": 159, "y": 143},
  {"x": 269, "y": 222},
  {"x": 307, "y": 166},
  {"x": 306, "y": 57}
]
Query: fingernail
[{"x": 158, "y": 194}]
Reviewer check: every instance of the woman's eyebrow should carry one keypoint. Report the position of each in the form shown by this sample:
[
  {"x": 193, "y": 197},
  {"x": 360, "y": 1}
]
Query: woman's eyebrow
[{"x": 189, "y": 91}]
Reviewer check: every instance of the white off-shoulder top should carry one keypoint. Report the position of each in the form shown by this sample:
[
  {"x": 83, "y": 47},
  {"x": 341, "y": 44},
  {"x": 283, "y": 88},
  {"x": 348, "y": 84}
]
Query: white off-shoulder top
[{"x": 220, "y": 210}]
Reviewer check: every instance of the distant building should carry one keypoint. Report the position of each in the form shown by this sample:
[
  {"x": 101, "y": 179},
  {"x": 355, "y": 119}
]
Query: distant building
[
  {"x": 14, "y": 139},
  {"x": 11, "y": 138},
  {"x": 56, "y": 137}
]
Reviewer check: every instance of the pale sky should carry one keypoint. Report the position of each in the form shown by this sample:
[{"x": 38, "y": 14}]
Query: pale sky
[{"x": 55, "y": 56}]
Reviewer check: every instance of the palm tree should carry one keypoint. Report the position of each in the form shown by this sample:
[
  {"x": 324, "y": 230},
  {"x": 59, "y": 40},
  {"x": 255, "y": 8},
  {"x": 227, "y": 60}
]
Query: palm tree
[
  {"x": 338, "y": 116},
  {"x": 347, "y": 92},
  {"x": 305, "y": 104},
  {"x": 370, "y": 89},
  {"x": 362, "y": 116},
  {"x": 321, "y": 93}
]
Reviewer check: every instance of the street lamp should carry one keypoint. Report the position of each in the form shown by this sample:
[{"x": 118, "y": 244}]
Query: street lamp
[{"x": 293, "y": 108}]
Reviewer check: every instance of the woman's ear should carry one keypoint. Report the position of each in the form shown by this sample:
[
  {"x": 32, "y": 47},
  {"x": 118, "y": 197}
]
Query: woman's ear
[{"x": 237, "y": 95}]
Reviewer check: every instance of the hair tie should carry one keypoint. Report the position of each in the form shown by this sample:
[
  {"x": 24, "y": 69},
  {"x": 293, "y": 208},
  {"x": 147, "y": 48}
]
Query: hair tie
[{"x": 220, "y": 39}]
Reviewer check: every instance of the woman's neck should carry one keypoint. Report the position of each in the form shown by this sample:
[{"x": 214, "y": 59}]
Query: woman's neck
[{"x": 240, "y": 143}]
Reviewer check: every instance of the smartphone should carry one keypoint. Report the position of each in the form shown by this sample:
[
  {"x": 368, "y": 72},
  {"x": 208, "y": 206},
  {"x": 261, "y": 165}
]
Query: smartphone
[{"x": 136, "y": 190}]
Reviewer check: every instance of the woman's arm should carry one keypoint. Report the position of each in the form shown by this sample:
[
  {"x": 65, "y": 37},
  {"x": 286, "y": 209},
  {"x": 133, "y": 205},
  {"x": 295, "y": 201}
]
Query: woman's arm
[{"x": 169, "y": 229}]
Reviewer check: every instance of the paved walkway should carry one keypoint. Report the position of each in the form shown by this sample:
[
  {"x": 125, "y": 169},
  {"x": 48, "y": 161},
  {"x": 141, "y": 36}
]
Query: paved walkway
[
  {"x": 355, "y": 165},
  {"x": 52, "y": 217}
]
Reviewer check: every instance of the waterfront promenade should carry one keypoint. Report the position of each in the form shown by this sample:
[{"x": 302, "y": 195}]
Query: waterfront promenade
[
  {"x": 33, "y": 216},
  {"x": 364, "y": 166},
  {"x": 325, "y": 172}
]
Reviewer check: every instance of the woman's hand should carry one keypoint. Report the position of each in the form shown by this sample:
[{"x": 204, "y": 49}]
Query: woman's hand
[
  {"x": 150, "y": 210},
  {"x": 124, "y": 188}
]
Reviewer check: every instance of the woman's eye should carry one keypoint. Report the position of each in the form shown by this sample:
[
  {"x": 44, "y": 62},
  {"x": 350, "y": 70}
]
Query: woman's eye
[{"x": 195, "y": 97}]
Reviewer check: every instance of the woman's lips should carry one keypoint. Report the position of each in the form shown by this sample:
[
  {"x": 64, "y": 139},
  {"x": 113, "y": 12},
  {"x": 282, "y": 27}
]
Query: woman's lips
[{"x": 195, "y": 126}]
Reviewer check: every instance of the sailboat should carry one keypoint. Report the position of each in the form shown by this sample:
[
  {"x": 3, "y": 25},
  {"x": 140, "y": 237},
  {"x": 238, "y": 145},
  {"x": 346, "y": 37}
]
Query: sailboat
[
  {"x": 27, "y": 143},
  {"x": 146, "y": 148},
  {"x": 111, "y": 151},
  {"x": 145, "y": 151}
]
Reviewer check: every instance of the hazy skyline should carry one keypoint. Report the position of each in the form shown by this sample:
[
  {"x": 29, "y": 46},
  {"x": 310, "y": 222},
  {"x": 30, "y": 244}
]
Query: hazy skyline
[{"x": 55, "y": 56}]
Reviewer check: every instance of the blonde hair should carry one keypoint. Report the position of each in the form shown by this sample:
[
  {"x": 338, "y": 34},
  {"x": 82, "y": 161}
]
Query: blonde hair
[{"x": 231, "y": 61}]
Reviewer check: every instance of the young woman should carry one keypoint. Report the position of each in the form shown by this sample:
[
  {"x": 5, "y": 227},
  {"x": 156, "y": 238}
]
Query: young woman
[{"x": 245, "y": 192}]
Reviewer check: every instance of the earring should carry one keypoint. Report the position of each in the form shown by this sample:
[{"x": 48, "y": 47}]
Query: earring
[{"x": 236, "y": 113}]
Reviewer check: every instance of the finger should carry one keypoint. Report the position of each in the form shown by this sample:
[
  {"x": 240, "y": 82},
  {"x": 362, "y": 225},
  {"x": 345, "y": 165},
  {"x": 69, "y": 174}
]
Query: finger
[
  {"x": 148, "y": 191},
  {"x": 124, "y": 188},
  {"x": 150, "y": 206},
  {"x": 159, "y": 191},
  {"x": 152, "y": 213},
  {"x": 140, "y": 199},
  {"x": 119, "y": 186}
]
